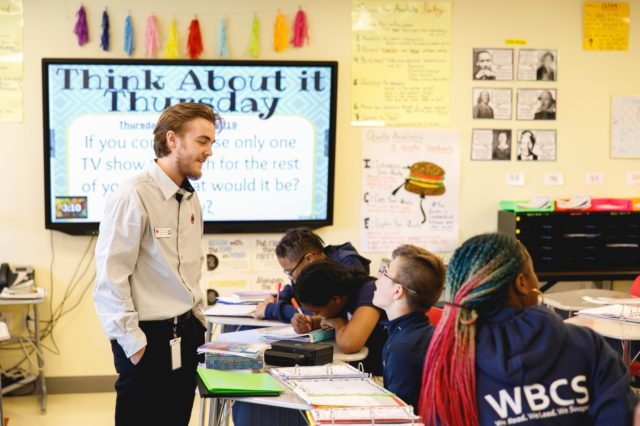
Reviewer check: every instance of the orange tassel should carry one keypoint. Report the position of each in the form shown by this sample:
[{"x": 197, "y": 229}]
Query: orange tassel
[
  {"x": 280, "y": 34},
  {"x": 194, "y": 41}
]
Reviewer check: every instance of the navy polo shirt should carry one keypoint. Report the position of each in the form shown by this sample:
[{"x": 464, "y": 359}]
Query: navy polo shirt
[{"x": 404, "y": 353}]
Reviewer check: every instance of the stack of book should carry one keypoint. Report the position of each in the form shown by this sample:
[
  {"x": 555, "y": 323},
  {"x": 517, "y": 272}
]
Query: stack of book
[
  {"x": 288, "y": 333},
  {"x": 233, "y": 356}
]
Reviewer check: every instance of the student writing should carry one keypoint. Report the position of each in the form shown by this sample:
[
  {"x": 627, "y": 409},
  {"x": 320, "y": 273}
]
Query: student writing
[
  {"x": 298, "y": 248},
  {"x": 342, "y": 299}
]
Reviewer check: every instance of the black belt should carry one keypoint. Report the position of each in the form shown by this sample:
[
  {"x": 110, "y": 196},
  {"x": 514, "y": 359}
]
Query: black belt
[
  {"x": 180, "y": 318},
  {"x": 173, "y": 320}
]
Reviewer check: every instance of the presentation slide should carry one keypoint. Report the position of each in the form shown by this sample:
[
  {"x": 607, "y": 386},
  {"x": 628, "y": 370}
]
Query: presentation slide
[{"x": 270, "y": 160}]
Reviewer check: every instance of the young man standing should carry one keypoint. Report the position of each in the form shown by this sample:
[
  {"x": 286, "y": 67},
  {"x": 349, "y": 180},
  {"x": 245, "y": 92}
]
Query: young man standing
[
  {"x": 148, "y": 267},
  {"x": 406, "y": 289}
]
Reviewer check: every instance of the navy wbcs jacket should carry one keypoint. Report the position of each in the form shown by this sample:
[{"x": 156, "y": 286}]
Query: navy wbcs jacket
[
  {"x": 345, "y": 254},
  {"x": 531, "y": 368}
]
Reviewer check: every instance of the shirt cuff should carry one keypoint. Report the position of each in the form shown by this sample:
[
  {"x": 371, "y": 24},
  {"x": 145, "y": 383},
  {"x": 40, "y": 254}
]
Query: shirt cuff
[{"x": 133, "y": 342}]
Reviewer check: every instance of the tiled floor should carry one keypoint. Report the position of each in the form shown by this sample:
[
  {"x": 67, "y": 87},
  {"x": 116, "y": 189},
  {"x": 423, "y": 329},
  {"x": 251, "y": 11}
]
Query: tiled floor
[{"x": 86, "y": 409}]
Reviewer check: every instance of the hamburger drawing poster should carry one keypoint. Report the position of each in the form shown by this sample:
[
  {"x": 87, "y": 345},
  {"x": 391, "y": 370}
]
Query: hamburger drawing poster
[{"x": 410, "y": 189}]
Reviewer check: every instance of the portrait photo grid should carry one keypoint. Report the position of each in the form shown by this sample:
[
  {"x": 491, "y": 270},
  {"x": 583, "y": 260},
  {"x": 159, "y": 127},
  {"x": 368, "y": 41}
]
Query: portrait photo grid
[{"x": 538, "y": 104}]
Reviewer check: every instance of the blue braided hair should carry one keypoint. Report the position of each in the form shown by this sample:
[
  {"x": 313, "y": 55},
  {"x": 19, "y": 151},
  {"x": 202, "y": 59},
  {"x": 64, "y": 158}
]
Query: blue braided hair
[{"x": 488, "y": 263}]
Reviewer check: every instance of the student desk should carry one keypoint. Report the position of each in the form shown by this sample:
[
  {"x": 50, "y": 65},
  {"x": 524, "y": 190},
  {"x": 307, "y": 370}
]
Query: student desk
[
  {"x": 253, "y": 336},
  {"x": 228, "y": 322},
  {"x": 287, "y": 400},
  {"x": 572, "y": 301},
  {"x": 624, "y": 331}
]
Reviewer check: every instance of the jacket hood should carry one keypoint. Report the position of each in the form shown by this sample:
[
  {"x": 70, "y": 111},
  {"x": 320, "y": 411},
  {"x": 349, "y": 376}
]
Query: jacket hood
[{"x": 519, "y": 345}]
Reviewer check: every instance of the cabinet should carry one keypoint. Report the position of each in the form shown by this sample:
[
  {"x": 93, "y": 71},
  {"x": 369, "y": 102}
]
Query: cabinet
[
  {"x": 27, "y": 303},
  {"x": 570, "y": 246}
]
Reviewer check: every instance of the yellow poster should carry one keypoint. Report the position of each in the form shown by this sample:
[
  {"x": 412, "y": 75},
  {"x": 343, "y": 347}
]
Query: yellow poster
[
  {"x": 10, "y": 60},
  {"x": 606, "y": 26},
  {"x": 401, "y": 63}
]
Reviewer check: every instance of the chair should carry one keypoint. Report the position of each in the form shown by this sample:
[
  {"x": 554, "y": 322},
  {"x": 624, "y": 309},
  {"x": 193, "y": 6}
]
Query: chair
[
  {"x": 434, "y": 313},
  {"x": 634, "y": 368},
  {"x": 635, "y": 287}
]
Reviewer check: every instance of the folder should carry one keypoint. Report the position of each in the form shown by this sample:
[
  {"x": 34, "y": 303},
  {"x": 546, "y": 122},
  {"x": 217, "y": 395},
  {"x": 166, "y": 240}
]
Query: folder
[{"x": 228, "y": 383}]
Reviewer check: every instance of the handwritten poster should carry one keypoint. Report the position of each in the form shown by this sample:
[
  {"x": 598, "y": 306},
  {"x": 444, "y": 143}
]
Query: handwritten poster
[
  {"x": 410, "y": 189},
  {"x": 11, "y": 59},
  {"x": 400, "y": 63},
  {"x": 242, "y": 264},
  {"x": 625, "y": 127},
  {"x": 606, "y": 26}
]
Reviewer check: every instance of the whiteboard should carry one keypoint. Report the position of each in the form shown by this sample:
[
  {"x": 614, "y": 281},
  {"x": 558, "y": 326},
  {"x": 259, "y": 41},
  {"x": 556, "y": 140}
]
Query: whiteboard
[{"x": 625, "y": 127}]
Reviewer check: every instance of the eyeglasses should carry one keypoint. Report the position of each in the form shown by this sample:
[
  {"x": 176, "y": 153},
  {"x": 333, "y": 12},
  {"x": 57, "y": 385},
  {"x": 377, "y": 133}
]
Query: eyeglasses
[
  {"x": 383, "y": 270},
  {"x": 289, "y": 272}
]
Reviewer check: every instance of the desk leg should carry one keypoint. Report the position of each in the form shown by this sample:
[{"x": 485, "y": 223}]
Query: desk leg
[
  {"x": 207, "y": 336},
  {"x": 213, "y": 411},
  {"x": 1, "y": 405},
  {"x": 626, "y": 352},
  {"x": 202, "y": 412},
  {"x": 39, "y": 354}
]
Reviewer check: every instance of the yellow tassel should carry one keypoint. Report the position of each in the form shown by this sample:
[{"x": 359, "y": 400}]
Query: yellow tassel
[
  {"x": 171, "y": 51},
  {"x": 254, "y": 41},
  {"x": 281, "y": 34}
]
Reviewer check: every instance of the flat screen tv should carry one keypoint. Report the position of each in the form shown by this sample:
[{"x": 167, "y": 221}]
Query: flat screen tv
[{"x": 272, "y": 166}]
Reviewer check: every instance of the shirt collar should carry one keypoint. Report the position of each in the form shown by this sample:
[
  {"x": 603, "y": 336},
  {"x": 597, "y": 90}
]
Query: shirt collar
[
  {"x": 405, "y": 320},
  {"x": 167, "y": 186}
]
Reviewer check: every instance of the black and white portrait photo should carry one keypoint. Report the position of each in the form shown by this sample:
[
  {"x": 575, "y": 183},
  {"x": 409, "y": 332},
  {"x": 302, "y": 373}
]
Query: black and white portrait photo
[
  {"x": 491, "y": 103},
  {"x": 538, "y": 65},
  {"x": 493, "y": 64},
  {"x": 537, "y": 104}
]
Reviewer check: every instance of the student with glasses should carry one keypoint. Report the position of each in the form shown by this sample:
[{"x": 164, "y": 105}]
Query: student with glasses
[
  {"x": 406, "y": 289},
  {"x": 298, "y": 248}
]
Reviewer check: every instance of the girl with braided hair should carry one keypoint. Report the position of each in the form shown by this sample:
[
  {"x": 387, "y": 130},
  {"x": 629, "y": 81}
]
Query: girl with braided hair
[{"x": 496, "y": 358}]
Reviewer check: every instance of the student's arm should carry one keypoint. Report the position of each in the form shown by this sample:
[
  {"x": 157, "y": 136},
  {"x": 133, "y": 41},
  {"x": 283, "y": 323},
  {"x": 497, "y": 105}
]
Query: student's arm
[{"x": 351, "y": 336}]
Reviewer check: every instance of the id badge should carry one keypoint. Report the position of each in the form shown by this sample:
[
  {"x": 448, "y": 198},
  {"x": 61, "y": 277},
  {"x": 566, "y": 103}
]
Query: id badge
[{"x": 176, "y": 360}]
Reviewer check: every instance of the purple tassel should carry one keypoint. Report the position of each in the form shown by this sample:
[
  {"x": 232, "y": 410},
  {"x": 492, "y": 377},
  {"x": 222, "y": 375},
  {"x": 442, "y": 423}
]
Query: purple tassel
[
  {"x": 81, "y": 29},
  {"x": 104, "y": 39}
]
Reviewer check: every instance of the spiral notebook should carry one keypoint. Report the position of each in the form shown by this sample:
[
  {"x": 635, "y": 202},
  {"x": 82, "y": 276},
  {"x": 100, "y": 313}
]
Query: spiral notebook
[
  {"x": 288, "y": 333},
  {"x": 332, "y": 371},
  {"x": 365, "y": 415}
]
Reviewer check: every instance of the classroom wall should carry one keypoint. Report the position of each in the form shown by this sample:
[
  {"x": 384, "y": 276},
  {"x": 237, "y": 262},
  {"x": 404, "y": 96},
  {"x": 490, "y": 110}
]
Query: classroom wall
[{"x": 586, "y": 82}]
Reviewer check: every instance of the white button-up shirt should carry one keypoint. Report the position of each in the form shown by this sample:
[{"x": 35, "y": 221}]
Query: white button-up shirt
[{"x": 148, "y": 257}]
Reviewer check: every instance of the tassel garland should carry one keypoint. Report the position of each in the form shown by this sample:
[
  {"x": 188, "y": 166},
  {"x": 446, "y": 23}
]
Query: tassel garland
[
  {"x": 280, "y": 34},
  {"x": 172, "y": 51},
  {"x": 194, "y": 41},
  {"x": 128, "y": 35},
  {"x": 222, "y": 39},
  {"x": 300, "y": 30},
  {"x": 81, "y": 29},
  {"x": 254, "y": 40},
  {"x": 104, "y": 38},
  {"x": 152, "y": 44}
]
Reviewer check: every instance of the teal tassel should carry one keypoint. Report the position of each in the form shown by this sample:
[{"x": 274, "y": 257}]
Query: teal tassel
[
  {"x": 222, "y": 39},
  {"x": 128, "y": 36}
]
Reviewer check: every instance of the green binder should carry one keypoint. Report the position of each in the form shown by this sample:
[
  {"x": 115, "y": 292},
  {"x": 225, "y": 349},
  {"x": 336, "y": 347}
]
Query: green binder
[{"x": 233, "y": 383}]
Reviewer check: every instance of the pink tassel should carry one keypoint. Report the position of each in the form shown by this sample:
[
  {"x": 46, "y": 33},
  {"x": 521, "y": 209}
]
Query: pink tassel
[
  {"x": 194, "y": 41},
  {"x": 81, "y": 29},
  {"x": 152, "y": 44},
  {"x": 300, "y": 30}
]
